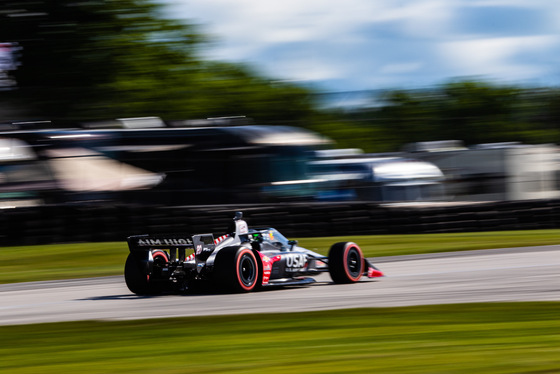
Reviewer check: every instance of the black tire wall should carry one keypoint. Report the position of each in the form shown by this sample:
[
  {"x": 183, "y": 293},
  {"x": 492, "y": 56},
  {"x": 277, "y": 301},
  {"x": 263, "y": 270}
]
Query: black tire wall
[{"x": 101, "y": 223}]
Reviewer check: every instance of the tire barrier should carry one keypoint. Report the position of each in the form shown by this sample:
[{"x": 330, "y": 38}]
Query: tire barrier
[{"x": 99, "y": 223}]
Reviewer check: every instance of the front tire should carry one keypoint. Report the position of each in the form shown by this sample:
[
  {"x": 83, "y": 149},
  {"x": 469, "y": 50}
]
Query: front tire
[
  {"x": 346, "y": 262},
  {"x": 236, "y": 269}
]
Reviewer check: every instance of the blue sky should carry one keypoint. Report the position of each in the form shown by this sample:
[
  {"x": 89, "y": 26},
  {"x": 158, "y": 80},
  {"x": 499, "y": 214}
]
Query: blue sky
[{"x": 378, "y": 44}]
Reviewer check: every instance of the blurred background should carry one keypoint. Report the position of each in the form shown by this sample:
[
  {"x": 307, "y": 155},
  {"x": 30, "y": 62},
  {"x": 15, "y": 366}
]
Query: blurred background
[{"x": 138, "y": 102}]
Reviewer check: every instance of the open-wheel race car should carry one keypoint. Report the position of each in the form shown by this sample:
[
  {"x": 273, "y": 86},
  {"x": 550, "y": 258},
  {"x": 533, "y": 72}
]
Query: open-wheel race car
[{"x": 242, "y": 260}]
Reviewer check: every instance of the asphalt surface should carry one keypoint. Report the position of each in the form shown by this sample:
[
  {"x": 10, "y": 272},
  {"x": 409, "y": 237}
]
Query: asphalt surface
[{"x": 517, "y": 274}]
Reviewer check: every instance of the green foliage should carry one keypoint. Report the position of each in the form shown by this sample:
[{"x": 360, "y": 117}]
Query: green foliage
[
  {"x": 391, "y": 245},
  {"x": 474, "y": 112},
  {"x": 350, "y": 134},
  {"x": 103, "y": 59},
  {"x": 466, "y": 338}
]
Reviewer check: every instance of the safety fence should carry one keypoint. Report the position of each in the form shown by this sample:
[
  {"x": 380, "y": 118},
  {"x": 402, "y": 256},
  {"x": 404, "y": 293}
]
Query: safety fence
[{"x": 99, "y": 223}]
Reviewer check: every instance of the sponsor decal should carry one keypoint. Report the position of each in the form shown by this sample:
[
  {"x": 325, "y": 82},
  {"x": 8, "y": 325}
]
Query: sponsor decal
[
  {"x": 172, "y": 242},
  {"x": 295, "y": 260},
  {"x": 267, "y": 267},
  {"x": 202, "y": 249},
  {"x": 242, "y": 227},
  {"x": 267, "y": 263}
]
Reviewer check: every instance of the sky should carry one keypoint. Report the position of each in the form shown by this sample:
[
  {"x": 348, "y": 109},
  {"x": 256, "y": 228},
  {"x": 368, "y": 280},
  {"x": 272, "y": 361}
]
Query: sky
[{"x": 353, "y": 45}]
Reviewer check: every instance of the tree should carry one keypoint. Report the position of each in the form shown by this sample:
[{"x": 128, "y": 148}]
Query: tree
[
  {"x": 478, "y": 112},
  {"x": 100, "y": 59},
  {"x": 474, "y": 112}
]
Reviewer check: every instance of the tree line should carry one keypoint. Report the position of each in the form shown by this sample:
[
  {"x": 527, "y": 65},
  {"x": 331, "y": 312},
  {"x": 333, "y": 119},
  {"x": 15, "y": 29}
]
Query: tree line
[
  {"x": 474, "y": 112},
  {"x": 102, "y": 59}
]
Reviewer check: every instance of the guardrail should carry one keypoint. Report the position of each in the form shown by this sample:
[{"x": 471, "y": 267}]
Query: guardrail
[{"x": 98, "y": 223}]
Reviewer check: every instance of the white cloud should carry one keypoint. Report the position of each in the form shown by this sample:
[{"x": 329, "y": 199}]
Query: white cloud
[
  {"x": 495, "y": 56},
  {"x": 509, "y": 3},
  {"x": 296, "y": 20},
  {"x": 310, "y": 72},
  {"x": 427, "y": 18},
  {"x": 362, "y": 42},
  {"x": 400, "y": 68}
]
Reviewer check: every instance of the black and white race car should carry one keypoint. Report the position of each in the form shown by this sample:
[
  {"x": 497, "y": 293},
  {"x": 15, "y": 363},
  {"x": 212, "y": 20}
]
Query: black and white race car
[{"x": 241, "y": 261}]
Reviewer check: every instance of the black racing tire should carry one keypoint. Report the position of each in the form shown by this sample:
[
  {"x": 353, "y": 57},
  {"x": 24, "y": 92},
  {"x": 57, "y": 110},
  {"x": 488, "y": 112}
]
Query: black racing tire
[
  {"x": 346, "y": 262},
  {"x": 137, "y": 281},
  {"x": 236, "y": 269}
]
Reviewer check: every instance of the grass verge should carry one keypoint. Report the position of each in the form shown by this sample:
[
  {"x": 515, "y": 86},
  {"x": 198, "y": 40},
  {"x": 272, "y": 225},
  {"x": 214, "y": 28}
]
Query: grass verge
[
  {"x": 481, "y": 338},
  {"x": 66, "y": 261}
]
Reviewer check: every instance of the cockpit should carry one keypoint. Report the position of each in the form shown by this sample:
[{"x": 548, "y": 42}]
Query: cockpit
[{"x": 271, "y": 240}]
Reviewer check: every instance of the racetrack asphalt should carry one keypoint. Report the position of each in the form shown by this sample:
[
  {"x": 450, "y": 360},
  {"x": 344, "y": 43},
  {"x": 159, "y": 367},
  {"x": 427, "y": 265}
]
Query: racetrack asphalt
[{"x": 514, "y": 274}]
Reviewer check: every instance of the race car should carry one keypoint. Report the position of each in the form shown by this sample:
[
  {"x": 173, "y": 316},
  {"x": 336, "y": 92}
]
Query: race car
[{"x": 242, "y": 260}]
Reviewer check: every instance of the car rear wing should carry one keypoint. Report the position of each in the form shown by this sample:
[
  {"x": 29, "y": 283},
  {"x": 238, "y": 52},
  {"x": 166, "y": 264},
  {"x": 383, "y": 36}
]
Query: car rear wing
[
  {"x": 141, "y": 245},
  {"x": 145, "y": 242},
  {"x": 202, "y": 244}
]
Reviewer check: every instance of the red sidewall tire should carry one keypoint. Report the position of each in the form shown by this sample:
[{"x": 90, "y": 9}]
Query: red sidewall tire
[
  {"x": 236, "y": 269},
  {"x": 160, "y": 259},
  {"x": 247, "y": 270},
  {"x": 353, "y": 254},
  {"x": 346, "y": 262},
  {"x": 156, "y": 255},
  {"x": 137, "y": 280},
  {"x": 160, "y": 254}
]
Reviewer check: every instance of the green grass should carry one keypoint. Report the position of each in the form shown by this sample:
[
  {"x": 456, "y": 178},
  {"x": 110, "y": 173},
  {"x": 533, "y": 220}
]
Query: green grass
[
  {"x": 392, "y": 245},
  {"x": 65, "y": 261},
  {"x": 61, "y": 261},
  {"x": 471, "y": 338}
]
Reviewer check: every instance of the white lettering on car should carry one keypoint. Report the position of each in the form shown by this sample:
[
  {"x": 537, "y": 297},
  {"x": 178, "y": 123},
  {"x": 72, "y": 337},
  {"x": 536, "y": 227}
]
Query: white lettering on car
[
  {"x": 159, "y": 242},
  {"x": 296, "y": 260}
]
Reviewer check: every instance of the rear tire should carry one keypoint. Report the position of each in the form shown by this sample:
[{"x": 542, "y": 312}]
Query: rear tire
[
  {"x": 137, "y": 281},
  {"x": 236, "y": 269},
  {"x": 346, "y": 262}
]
